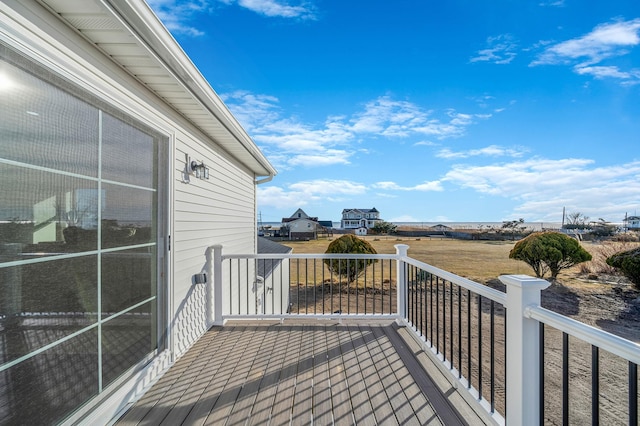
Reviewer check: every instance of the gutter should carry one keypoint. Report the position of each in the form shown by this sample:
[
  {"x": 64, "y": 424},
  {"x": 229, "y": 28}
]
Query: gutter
[{"x": 264, "y": 180}]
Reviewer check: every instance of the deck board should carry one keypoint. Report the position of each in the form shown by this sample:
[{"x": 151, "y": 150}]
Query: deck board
[
  {"x": 261, "y": 410},
  {"x": 340, "y": 397},
  {"x": 283, "y": 401},
  {"x": 322, "y": 407},
  {"x": 303, "y": 394},
  {"x": 360, "y": 401},
  {"x": 264, "y": 373}
]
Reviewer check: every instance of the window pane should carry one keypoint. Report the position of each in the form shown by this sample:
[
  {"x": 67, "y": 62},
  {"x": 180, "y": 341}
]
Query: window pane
[
  {"x": 128, "y": 154},
  {"x": 42, "y": 125},
  {"x": 128, "y": 216},
  {"x": 44, "y": 389},
  {"x": 126, "y": 340},
  {"x": 128, "y": 277},
  {"x": 43, "y": 302},
  {"x": 47, "y": 213}
]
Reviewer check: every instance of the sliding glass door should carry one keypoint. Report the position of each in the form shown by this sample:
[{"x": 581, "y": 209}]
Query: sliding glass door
[{"x": 82, "y": 196}]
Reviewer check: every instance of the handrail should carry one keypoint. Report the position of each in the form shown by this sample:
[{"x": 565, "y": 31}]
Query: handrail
[
  {"x": 483, "y": 290},
  {"x": 475, "y": 287},
  {"x": 311, "y": 256},
  {"x": 609, "y": 342}
]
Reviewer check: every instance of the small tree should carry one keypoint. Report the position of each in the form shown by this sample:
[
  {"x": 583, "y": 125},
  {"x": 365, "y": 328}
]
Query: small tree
[
  {"x": 350, "y": 268},
  {"x": 513, "y": 227},
  {"x": 602, "y": 228},
  {"x": 629, "y": 263},
  {"x": 384, "y": 228},
  {"x": 577, "y": 221},
  {"x": 549, "y": 251}
]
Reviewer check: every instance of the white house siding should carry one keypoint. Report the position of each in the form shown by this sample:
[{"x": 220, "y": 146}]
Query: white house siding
[
  {"x": 200, "y": 213},
  {"x": 220, "y": 210}
]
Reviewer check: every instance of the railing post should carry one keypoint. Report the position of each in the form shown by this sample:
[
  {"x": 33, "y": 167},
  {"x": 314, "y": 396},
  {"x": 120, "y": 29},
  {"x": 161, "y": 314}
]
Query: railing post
[
  {"x": 214, "y": 285},
  {"x": 401, "y": 280},
  {"x": 523, "y": 352}
]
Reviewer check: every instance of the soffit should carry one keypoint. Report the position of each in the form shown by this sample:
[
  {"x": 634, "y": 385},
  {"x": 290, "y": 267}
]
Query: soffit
[{"x": 132, "y": 36}]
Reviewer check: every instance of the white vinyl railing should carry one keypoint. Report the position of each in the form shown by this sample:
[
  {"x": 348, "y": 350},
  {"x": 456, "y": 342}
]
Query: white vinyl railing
[{"x": 469, "y": 328}]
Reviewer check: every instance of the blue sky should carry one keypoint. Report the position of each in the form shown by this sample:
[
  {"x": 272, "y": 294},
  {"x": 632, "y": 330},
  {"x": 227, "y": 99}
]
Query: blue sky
[{"x": 457, "y": 110}]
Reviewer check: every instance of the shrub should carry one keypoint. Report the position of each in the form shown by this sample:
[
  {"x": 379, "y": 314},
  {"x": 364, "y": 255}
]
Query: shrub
[
  {"x": 549, "y": 252},
  {"x": 350, "y": 268},
  {"x": 601, "y": 252},
  {"x": 384, "y": 228},
  {"x": 629, "y": 263}
]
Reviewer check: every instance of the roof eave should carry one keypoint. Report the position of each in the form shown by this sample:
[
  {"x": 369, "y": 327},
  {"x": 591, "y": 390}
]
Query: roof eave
[{"x": 152, "y": 39}]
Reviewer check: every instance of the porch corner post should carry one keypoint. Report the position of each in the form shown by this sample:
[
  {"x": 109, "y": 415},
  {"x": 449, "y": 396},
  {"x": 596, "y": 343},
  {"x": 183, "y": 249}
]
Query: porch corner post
[
  {"x": 522, "y": 350},
  {"x": 401, "y": 288},
  {"x": 214, "y": 285}
]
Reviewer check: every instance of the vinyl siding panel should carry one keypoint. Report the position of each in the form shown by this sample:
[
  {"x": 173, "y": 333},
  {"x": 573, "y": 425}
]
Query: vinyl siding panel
[{"x": 220, "y": 210}]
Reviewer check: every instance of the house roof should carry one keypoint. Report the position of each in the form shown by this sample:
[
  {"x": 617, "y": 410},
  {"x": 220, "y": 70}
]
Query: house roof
[
  {"x": 266, "y": 246},
  {"x": 373, "y": 210},
  {"x": 293, "y": 219},
  {"x": 131, "y": 35}
]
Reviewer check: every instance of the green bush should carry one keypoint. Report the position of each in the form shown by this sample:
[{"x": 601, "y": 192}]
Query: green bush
[
  {"x": 384, "y": 228},
  {"x": 549, "y": 252},
  {"x": 349, "y": 268},
  {"x": 629, "y": 263}
]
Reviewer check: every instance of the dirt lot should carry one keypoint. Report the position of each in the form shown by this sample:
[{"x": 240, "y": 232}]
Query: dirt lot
[{"x": 588, "y": 293}]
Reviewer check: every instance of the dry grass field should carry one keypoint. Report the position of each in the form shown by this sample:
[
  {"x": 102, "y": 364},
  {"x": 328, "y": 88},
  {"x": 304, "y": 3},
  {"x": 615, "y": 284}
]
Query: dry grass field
[{"x": 587, "y": 292}]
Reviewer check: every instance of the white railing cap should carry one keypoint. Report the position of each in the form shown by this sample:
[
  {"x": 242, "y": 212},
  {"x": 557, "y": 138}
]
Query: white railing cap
[{"x": 524, "y": 281}]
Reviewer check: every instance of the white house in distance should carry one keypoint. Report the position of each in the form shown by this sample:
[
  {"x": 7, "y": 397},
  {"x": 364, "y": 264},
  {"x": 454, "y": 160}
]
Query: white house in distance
[
  {"x": 632, "y": 223},
  {"x": 120, "y": 166},
  {"x": 302, "y": 226},
  {"x": 359, "y": 218}
]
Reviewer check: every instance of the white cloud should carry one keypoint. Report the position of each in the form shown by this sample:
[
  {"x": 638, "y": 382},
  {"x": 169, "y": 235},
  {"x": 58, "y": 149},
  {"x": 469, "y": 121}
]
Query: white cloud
[
  {"x": 543, "y": 187},
  {"x": 424, "y": 187},
  {"x": 603, "y": 72},
  {"x": 489, "y": 151},
  {"x": 553, "y": 3},
  {"x": 329, "y": 157},
  {"x": 500, "y": 49},
  {"x": 604, "y": 42},
  {"x": 329, "y": 187},
  {"x": 282, "y": 9},
  {"x": 295, "y": 143},
  {"x": 425, "y": 143},
  {"x": 176, "y": 15},
  {"x": 306, "y": 192},
  {"x": 398, "y": 119}
]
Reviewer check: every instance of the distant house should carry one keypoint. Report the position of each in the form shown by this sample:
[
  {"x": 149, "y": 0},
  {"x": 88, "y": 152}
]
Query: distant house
[
  {"x": 360, "y": 218},
  {"x": 632, "y": 223},
  {"x": 326, "y": 223},
  {"x": 361, "y": 231},
  {"x": 301, "y": 226},
  {"x": 440, "y": 228}
]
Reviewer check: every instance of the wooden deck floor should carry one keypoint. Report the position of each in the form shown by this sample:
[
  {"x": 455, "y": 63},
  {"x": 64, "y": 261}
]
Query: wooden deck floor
[{"x": 318, "y": 373}]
